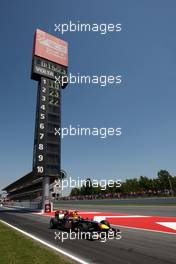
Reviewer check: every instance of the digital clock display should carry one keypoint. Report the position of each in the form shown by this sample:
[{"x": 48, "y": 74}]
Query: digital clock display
[{"x": 51, "y": 70}]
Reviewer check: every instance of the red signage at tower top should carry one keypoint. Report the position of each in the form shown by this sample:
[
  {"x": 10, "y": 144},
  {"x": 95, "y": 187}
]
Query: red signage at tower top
[{"x": 51, "y": 48}]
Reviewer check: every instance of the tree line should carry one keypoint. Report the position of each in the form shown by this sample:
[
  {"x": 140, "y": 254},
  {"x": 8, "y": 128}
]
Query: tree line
[{"x": 163, "y": 184}]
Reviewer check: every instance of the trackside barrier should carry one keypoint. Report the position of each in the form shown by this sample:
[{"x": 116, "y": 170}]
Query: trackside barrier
[{"x": 24, "y": 204}]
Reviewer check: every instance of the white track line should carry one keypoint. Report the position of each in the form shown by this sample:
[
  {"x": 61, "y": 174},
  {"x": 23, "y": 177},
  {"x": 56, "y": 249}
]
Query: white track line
[
  {"x": 123, "y": 216},
  {"x": 143, "y": 229},
  {"x": 46, "y": 243}
]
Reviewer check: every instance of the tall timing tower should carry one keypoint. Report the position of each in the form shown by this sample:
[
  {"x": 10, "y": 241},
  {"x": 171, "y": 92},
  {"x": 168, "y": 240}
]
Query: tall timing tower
[{"x": 49, "y": 64}]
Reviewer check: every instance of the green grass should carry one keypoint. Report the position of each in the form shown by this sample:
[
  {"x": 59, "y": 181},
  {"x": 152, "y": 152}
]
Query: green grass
[{"x": 16, "y": 248}]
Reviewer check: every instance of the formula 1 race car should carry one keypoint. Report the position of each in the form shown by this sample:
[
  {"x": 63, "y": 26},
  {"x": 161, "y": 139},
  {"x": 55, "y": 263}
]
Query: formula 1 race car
[
  {"x": 88, "y": 229},
  {"x": 65, "y": 220}
]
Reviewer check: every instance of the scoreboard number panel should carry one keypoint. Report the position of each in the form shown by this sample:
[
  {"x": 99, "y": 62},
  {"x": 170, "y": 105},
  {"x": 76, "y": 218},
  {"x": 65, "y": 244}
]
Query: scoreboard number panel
[
  {"x": 41, "y": 124},
  {"x": 47, "y": 145}
]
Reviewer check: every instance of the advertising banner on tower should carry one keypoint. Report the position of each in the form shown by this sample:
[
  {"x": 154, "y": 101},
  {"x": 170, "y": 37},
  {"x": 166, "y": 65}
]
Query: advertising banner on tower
[{"x": 51, "y": 48}]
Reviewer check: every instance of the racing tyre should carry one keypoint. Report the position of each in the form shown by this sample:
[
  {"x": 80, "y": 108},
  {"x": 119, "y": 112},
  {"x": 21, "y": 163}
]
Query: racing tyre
[
  {"x": 52, "y": 224},
  {"x": 82, "y": 229}
]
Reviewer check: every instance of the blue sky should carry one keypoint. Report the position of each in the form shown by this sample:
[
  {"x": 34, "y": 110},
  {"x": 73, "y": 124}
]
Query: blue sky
[{"x": 144, "y": 53}]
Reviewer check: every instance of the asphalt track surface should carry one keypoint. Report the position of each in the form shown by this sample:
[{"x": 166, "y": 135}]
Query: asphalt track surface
[{"x": 135, "y": 247}]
